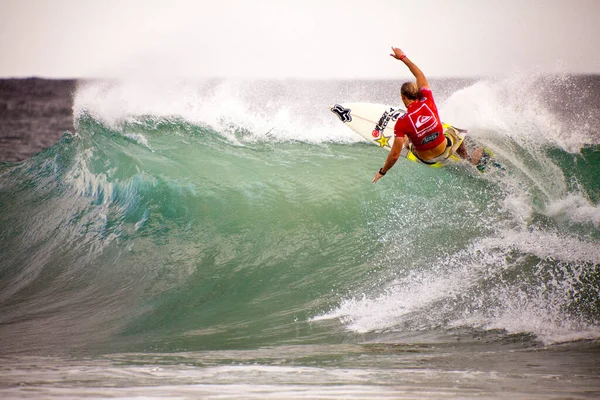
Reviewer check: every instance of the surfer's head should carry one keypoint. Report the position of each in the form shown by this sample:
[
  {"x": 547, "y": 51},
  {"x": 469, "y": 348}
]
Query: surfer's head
[{"x": 410, "y": 91}]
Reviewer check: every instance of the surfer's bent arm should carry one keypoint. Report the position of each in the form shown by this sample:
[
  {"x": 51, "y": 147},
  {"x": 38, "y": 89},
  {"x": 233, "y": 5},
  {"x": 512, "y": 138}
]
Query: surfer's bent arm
[
  {"x": 391, "y": 158},
  {"x": 416, "y": 71},
  {"x": 394, "y": 155}
]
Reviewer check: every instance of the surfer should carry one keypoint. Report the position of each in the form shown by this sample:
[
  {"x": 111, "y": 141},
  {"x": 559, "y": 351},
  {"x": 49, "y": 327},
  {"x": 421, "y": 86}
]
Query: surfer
[{"x": 420, "y": 128}]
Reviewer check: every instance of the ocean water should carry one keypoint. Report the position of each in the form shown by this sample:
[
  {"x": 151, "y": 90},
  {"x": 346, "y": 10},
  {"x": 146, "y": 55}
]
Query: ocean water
[{"x": 223, "y": 239}]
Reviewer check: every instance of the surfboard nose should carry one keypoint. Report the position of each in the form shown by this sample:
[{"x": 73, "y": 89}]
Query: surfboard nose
[{"x": 342, "y": 112}]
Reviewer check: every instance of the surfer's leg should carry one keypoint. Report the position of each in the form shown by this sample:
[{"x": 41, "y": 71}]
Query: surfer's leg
[
  {"x": 452, "y": 134},
  {"x": 476, "y": 155},
  {"x": 462, "y": 151}
]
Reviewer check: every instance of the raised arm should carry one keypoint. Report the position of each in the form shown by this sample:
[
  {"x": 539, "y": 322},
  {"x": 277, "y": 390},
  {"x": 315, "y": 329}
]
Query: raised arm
[{"x": 421, "y": 80}]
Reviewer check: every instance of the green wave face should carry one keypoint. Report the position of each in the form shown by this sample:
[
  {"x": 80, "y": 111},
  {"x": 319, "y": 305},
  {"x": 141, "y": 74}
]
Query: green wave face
[{"x": 157, "y": 233}]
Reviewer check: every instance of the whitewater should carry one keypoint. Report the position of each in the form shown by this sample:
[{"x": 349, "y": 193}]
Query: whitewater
[{"x": 223, "y": 239}]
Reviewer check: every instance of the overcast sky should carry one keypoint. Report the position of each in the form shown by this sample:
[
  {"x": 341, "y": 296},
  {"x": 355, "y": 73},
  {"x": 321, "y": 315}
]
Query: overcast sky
[{"x": 296, "y": 38}]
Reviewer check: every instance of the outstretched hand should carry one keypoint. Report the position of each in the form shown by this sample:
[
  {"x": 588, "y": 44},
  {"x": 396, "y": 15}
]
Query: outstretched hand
[
  {"x": 378, "y": 176},
  {"x": 397, "y": 53}
]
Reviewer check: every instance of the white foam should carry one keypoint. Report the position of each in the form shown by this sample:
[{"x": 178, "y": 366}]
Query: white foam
[
  {"x": 140, "y": 139},
  {"x": 492, "y": 110},
  {"x": 547, "y": 245},
  {"x": 519, "y": 205},
  {"x": 575, "y": 208},
  {"x": 516, "y": 108},
  {"x": 450, "y": 293},
  {"x": 276, "y": 111}
]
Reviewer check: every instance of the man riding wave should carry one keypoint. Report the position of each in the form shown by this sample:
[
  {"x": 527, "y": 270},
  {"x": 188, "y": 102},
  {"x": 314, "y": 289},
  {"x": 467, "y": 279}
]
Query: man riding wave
[{"x": 420, "y": 128}]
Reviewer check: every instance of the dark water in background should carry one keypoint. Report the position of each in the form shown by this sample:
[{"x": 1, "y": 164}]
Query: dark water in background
[
  {"x": 34, "y": 113},
  {"x": 222, "y": 238}
]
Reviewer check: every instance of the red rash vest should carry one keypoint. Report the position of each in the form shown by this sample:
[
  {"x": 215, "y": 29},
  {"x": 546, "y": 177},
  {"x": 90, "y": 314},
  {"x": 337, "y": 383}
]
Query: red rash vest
[{"x": 421, "y": 123}]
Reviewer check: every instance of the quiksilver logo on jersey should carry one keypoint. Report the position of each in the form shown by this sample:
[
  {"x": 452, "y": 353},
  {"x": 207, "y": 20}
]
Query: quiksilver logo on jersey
[{"x": 421, "y": 120}]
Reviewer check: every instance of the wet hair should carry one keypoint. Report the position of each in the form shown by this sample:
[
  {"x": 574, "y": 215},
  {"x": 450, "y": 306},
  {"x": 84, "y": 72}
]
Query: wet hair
[{"x": 410, "y": 90}]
